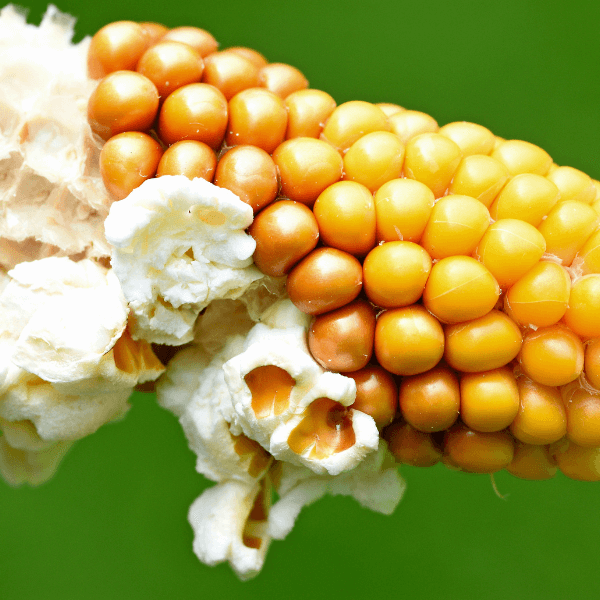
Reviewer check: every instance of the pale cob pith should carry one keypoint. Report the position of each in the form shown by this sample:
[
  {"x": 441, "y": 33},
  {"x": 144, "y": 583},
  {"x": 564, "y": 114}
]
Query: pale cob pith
[{"x": 530, "y": 224}]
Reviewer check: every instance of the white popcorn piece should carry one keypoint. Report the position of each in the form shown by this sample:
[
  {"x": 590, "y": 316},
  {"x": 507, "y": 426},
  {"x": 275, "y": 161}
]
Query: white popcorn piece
[
  {"x": 52, "y": 199},
  {"x": 67, "y": 363},
  {"x": 375, "y": 483},
  {"x": 230, "y": 524},
  {"x": 178, "y": 245},
  {"x": 283, "y": 399}
]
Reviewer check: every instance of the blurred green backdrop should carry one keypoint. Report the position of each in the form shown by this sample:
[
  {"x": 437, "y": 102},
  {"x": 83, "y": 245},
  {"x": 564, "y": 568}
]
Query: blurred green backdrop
[{"x": 112, "y": 523}]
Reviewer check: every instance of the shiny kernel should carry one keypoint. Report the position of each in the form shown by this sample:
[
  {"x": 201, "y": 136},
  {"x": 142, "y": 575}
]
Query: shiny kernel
[
  {"x": 412, "y": 447},
  {"x": 250, "y": 173},
  {"x": 483, "y": 344},
  {"x": 481, "y": 177},
  {"x": 255, "y": 57},
  {"x": 583, "y": 313},
  {"x": 541, "y": 418},
  {"x": 592, "y": 362},
  {"x": 509, "y": 248},
  {"x": 587, "y": 260},
  {"x": 582, "y": 464},
  {"x": 532, "y": 462},
  {"x": 573, "y": 184},
  {"x": 350, "y": 121},
  {"x": 342, "y": 340},
  {"x": 583, "y": 417},
  {"x": 430, "y": 401},
  {"x": 540, "y": 297},
  {"x": 478, "y": 452},
  {"x": 432, "y": 159},
  {"x": 307, "y": 167},
  {"x": 552, "y": 355},
  {"x": 390, "y": 109},
  {"x": 410, "y": 123},
  {"x": 257, "y": 117},
  {"x": 127, "y": 160},
  {"x": 469, "y": 137},
  {"x": 122, "y": 101},
  {"x": 171, "y": 65},
  {"x": 116, "y": 47},
  {"x": 527, "y": 197},
  {"x": 307, "y": 112},
  {"x": 326, "y": 428},
  {"x": 282, "y": 79},
  {"x": 566, "y": 229},
  {"x": 408, "y": 340},
  {"x": 189, "y": 158},
  {"x": 522, "y": 157},
  {"x": 270, "y": 387},
  {"x": 285, "y": 232},
  {"x": 154, "y": 31},
  {"x": 199, "y": 39},
  {"x": 376, "y": 394},
  {"x": 395, "y": 274},
  {"x": 197, "y": 111},
  {"x": 324, "y": 280},
  {"x": 489, "y": 401},
  {"x": 345, "y": 212},
  {"x": 456, "y": 225},
  {"x": 402, "y": 208},
  {"x": 374, "y": 159},
  {"x": 460, "y": 289},
  {"x": 230, "y": 72}
]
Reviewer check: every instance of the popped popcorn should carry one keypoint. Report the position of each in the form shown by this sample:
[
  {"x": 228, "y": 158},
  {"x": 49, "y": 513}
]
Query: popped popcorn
[
  {"x": 178, "y": 245},
  {"x": 52, "y": 200}
]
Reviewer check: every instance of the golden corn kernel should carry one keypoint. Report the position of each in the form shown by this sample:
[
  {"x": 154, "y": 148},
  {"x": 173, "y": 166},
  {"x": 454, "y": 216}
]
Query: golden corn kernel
[
  {"x": 270, "y": 387},
  {"x": 412, "y": 447},
  {"x": 583, "y": 313},
  {"x": 573, "y": 185},
  {"x": 307, "y": 112},
  {"x": 587, "y": 259},
  {"x": 583, "y": 416},
  {"x": 522, "y": 157},
  {"x": 592, "y": 362},
  {"x": 469, "y": 137},
  {"x": 410, "y": 123},
  {"x": 532, "y": 462},
  {"x": 578, "y": 463}
]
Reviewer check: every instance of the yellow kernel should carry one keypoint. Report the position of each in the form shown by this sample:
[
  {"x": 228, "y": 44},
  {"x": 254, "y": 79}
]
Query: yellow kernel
[
  {"x": 307, "y": 112},
  {"x": 489, "y": 401},
  {"x": 540, "y": 297},
  {"x": 374, "y": 159},
  {"x": 481, "y": 177},
  {"x": 483, "y": 344},
  {"x": 432, "y": 159},
  {"x": 345, "y": 212},
  {"x": 583, "y": 312},
  {"x": 527, "y": 197},
  {"x": 456, "y": 225},
  {"x": 573, "y": 184},
  {"x": 390, "y": 109},
  {"x": 402, "y": 207},
  {"x": 430, "y": 401},
  {"x": 541, "y": 418},
  {"x": 270, "y": 387},
  {"x": 282, "y": 79},
  {"x": 476, "y": 451},
  {"x": 592, "y": 362},
  {"x": 395, "y": 274},
  {"x": 568, "y": 226},
  {"x": 587, "y": 259},
  {"x": 532, "y": 462},
  {"x": 470, "y": 137},
  {"x": 552, "y": 355},
  {"x": 522, "y": 157},
  {"x": 460, "y": 289},
  {"x": 408, "y": 340},
  {"x": 509, "y": 248},
  {"x": 583, "y": 417},
  {"x": 350, "y": 121},
  {"x": 409, "y": 123},
  {"x": 412, "y": 447},
  {"x": 578, "y": 463}
]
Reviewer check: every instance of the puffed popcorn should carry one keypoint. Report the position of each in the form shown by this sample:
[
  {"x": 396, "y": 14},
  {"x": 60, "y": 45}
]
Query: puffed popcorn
[
  {"x": 67, "y": 362},
  {"x": 178, "y": 245},
  {"x": 284, "y": 399},
  {"x": 230, "y": 524},
  {"x": 52, "y": 200}
]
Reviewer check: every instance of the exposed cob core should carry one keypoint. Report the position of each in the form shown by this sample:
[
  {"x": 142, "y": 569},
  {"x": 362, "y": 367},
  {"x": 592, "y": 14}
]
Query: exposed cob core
[{"x": 454, "y": 275}]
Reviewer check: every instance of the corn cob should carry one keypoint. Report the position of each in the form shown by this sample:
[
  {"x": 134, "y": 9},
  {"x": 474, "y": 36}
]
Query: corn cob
[{"x": 459, "y": 266}]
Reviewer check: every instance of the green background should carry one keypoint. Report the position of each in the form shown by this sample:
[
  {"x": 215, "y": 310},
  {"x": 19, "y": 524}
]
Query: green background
[{"x": 112, "y": 523}]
